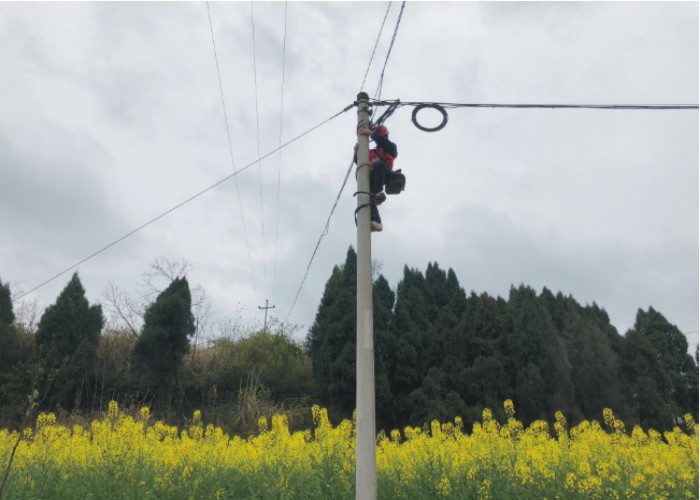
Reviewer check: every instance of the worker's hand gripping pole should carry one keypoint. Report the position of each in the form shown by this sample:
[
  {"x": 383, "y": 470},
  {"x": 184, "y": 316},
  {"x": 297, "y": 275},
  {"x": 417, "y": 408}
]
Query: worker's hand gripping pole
[{"x": 366, "y": 461}]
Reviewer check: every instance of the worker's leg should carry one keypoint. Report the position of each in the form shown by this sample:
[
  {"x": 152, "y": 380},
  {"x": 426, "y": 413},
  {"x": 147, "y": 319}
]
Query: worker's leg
[{"x": 377, "y": 178}]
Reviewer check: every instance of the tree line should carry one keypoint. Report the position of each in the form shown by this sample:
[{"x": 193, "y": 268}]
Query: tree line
[
  {"x": 71, "y": 364},
  {"x": 439, "y": 353}
]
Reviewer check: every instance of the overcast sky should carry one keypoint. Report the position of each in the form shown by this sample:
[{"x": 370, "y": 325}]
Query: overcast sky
[{"x": 111, "y": 114}]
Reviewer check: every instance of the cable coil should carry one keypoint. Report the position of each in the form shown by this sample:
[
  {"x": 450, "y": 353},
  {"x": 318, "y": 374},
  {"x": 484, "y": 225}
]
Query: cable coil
[{"x": 440, "y": 126}]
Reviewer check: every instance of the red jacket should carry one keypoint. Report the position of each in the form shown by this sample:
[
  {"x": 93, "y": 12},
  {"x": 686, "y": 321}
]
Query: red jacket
[
  {"x": 386, "y": 150},
  {"x": 388, "y": 159}
]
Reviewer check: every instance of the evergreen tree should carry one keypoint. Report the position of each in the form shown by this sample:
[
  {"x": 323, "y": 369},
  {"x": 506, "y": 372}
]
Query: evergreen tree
[
  {"x": 8, "y": 335},
  {"x": 430, "y": 344},
  {"x": 439, "y": 397},
  {"x": 165, "y": 339},
  {"x": 538, "y": 360},
  {"x": 441, "y": 354},
  {"x": 594, "y": 362},
  {"x": 647, "y": 385},
  {"x": 408, "y": 361},
  {"x": 657, "y": 366},
  {"x": 9, "y": 352},
  {"x": 331, "y": 339},
  {"x": 67, "y": 339},
  {"x": 384, "y": 343}
]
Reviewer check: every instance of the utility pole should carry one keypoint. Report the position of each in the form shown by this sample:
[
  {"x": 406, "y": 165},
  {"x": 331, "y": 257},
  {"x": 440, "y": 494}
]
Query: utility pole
[
  {"x": 366, "y": 459},
  {"x": 266, "y": 308}
]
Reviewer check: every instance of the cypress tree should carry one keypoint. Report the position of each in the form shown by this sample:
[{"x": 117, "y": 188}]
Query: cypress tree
[
  {"x": 9, "y": 353},
  {"x": 67, "y": 339},
  {"x": 539, "y": 363},
  {"x": 408, "y": 361},
  {"x": 165, "y": 339},
  {"x": 594, "y": 362},
  {"x": 662, "y": 377},
  {"x": 384, "y": 343},
  {"x": 8, "y": 335},
  {"x": 331, "y": 340},
  {"x": 484, "y": 382}
]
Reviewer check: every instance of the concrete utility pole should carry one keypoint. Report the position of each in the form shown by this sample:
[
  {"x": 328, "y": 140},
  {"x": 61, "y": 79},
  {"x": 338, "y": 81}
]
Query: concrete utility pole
[
  {"x": 266, "y": 308},
  {"x": 366, "y": 459}
]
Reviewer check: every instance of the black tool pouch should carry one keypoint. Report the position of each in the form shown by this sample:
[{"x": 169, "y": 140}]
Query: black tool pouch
[{"x": 395, "y": 182}]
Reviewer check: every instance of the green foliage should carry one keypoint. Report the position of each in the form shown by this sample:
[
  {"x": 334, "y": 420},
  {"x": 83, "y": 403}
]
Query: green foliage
[
  {"x": 165, "y": 339},
  {"x": 439, "y": 353},
  {"x": 8, "y": 335},
  {"x": 661, "y": 377},
  {"x": 112, "y": 362},
  {"x": 331, "y": 339},
  {"x": 67, "y": 339},
  {"x": 237, "y": 381},
  {"x": 279, "y": 363},
  {"x": 384, "y": 342},
  {"x": 10, "y": 399}
]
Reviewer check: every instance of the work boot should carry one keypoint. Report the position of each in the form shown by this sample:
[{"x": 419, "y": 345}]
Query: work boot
[
  {"x": 380, "y": 198},
  {"x": 376, "y": 227}
]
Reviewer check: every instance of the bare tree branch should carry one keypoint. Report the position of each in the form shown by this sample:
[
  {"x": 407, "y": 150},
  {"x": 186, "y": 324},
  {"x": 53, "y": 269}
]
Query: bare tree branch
[{"x": 123, "y": 307}]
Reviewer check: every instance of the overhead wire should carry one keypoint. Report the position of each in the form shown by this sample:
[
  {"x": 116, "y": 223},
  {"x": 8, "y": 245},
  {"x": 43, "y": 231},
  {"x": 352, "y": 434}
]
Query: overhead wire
[
  {"x": 318, "y": 243},
  {"x": 347, "y": 174},
  {"x": 376, "y": 43},
  {"x": 230, "y": 147},
  {"x": 441, "y": 107},
  {"x": 279, "y": 167},
  {"x": 378, "y": 93},
  {"x": 452, "y": 105},
  {"x": 188, "y": 200},
  {"x": 257, "y": 132}
]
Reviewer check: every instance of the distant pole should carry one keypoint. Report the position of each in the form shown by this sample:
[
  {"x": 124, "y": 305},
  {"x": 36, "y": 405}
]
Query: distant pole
[
  {"x": 366, "y": 460},
  {"x": 266, "y": 308}
]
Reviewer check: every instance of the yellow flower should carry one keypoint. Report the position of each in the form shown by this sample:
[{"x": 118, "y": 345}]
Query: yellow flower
[
  {"x": 112, "y": 410},
  {"x": 262, "y": 424},
  {"x": 443, "y": 487},
  {"x": 145, "y": 413},
  {"x": 509, "y": 408},
  {"x": 608, "y": 417}
]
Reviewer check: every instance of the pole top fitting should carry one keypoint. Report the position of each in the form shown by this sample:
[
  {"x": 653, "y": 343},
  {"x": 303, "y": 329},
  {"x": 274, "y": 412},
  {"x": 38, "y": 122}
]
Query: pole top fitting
[{"x": 362, "y": 96}]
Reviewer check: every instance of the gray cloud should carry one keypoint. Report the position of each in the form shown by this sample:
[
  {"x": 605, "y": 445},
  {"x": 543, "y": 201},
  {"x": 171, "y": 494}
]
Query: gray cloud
[{"x": 116, "y": 117}]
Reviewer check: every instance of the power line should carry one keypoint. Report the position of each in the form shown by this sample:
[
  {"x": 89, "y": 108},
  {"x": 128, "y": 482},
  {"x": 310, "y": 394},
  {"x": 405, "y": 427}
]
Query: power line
[
  {"x": 230, "y": 147},
  {"x": 318, "y": 243},
  {"x": 391, "y": 46},
  {"x": 191, "y": 198},
  {"x": 279, "y": 167},
  {"x": 451, "y": 105},
  {"x": 441, "y": 107},
  {"x": 345, "y": 180},
  {"x": 257, "y": 132},
  {"x": 381, "y": 29}
]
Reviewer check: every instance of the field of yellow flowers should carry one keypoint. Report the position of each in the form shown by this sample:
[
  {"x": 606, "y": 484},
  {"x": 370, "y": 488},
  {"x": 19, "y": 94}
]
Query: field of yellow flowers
[{"x": 126, "y": 457}]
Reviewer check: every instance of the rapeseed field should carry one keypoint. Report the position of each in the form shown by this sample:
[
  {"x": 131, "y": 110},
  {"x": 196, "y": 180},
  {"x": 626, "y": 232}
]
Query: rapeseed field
[{"x": 126, "y": 457}]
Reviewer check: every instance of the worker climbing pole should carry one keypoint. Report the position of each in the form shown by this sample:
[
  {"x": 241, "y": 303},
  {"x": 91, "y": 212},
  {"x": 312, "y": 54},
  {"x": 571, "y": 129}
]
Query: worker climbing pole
[
  {"x": 381, "y": 169},
  {"x": 366, "y": 461},
  {"x": 374, "y": 174}
]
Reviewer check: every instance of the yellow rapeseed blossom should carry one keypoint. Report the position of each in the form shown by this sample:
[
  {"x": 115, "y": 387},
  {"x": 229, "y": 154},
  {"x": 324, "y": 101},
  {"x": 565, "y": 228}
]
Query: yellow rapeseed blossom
[
  {"x": 125, "y": 457},
  {"x": 509, "y": 407},
  {"x": 145, "y": 413},
  {"x": 112, "y": 410}
]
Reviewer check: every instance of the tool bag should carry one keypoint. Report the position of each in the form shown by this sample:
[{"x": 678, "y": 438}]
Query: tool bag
[{"x": 395, "y": 182}]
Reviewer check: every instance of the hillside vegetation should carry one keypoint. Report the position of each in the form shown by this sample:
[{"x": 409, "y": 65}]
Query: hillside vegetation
[{"x": 440, "y": 353}]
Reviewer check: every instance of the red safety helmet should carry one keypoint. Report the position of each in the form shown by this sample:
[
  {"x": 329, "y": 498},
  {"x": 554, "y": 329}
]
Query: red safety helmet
[{"x": 381, "y": 130}]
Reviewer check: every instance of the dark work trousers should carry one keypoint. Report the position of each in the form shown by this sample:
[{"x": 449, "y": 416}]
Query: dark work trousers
[{"x": 377, "y": 178}]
